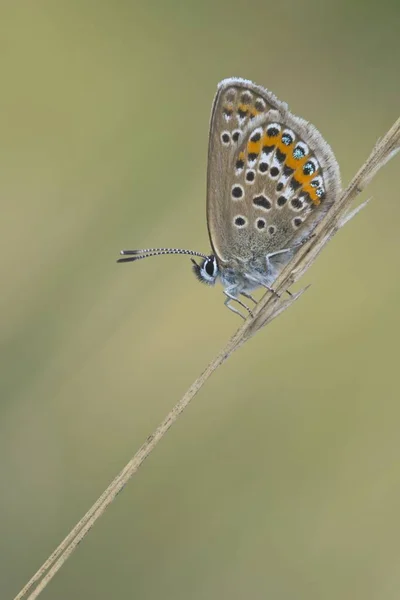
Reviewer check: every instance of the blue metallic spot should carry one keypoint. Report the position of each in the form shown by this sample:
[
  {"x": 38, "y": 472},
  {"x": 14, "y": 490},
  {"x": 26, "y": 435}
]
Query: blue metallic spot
[
  {"x": 298, "y": 152},
  {"x": 287, "y": 139},
  {"x": 308, "y": 168}
]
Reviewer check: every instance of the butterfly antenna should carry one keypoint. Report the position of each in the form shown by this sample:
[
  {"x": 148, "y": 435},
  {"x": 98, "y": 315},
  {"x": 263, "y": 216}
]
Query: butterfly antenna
[{"x": 147, "y": 252}]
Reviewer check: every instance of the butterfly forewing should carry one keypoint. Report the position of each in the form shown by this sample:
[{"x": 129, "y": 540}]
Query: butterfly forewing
[
  {"x": 238, "y": 106},
  {"x": 271, "y": 176}
]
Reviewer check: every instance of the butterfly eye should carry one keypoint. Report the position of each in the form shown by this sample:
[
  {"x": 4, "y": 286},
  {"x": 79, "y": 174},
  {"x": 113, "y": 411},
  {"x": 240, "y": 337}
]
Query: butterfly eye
[
  {"x": 209, "y": 267},
  {"x": 207, "y": 271}
]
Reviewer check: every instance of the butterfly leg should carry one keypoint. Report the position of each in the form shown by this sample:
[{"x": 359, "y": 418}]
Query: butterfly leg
[
  {"x": 233, "y": 309},
  {"x": 285, "y": 250},
  {"x": 271, "y": 267},
  {"x": 249, "y": 296},
  {"x": 230, "y": 298},
  {"x": 278, "y": 253},
  {"x": 261, "y": 284},
  {"x": 270, "y": 289}
]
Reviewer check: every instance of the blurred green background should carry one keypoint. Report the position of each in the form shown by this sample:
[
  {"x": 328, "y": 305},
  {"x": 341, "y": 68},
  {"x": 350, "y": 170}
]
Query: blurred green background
[{"x": 282, "y": 480}]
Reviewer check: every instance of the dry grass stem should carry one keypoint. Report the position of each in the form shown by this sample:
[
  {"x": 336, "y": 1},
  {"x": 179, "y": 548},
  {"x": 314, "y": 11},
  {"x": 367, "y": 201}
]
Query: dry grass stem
[{"x": 269, "y": 307}]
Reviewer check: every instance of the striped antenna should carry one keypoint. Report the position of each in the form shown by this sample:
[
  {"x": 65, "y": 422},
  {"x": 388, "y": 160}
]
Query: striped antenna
[{"x": 147, "y": 252}]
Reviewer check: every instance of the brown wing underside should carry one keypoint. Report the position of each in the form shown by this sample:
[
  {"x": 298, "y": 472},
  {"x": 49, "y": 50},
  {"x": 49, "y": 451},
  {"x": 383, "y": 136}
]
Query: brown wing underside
[{"x": 271, "y": 176}]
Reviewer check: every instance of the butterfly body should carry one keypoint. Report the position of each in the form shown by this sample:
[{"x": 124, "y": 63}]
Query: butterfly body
[
  {"x": 246, "y": 276},
  {"x": 271, "y": 177}
]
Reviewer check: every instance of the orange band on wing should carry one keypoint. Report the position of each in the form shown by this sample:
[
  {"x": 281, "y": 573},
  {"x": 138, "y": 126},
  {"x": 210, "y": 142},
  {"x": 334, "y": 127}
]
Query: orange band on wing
[
  {"x": 254, "y": 147},
  {"x": 270, "y": 140},
  {"x": 312, "y": 192}
]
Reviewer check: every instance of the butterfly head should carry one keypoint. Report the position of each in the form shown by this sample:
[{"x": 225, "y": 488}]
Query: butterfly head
[{"x": 207, "y": 271}]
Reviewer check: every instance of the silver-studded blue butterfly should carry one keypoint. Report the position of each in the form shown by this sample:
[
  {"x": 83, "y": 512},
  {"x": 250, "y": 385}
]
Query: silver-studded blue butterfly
[{"x": 271, "y": 178}]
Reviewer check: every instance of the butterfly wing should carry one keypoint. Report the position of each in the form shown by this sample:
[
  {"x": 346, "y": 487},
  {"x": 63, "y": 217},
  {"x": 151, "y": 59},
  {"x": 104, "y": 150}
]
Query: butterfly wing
[{"x": 271, "y": 175}]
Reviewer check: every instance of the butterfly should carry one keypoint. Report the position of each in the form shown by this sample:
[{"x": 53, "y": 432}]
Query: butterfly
[{"x": 271, "y": 178}]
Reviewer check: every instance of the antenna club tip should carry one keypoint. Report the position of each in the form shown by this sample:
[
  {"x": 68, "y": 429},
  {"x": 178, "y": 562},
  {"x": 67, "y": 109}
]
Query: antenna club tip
[{"x": 122, "y": 252}]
